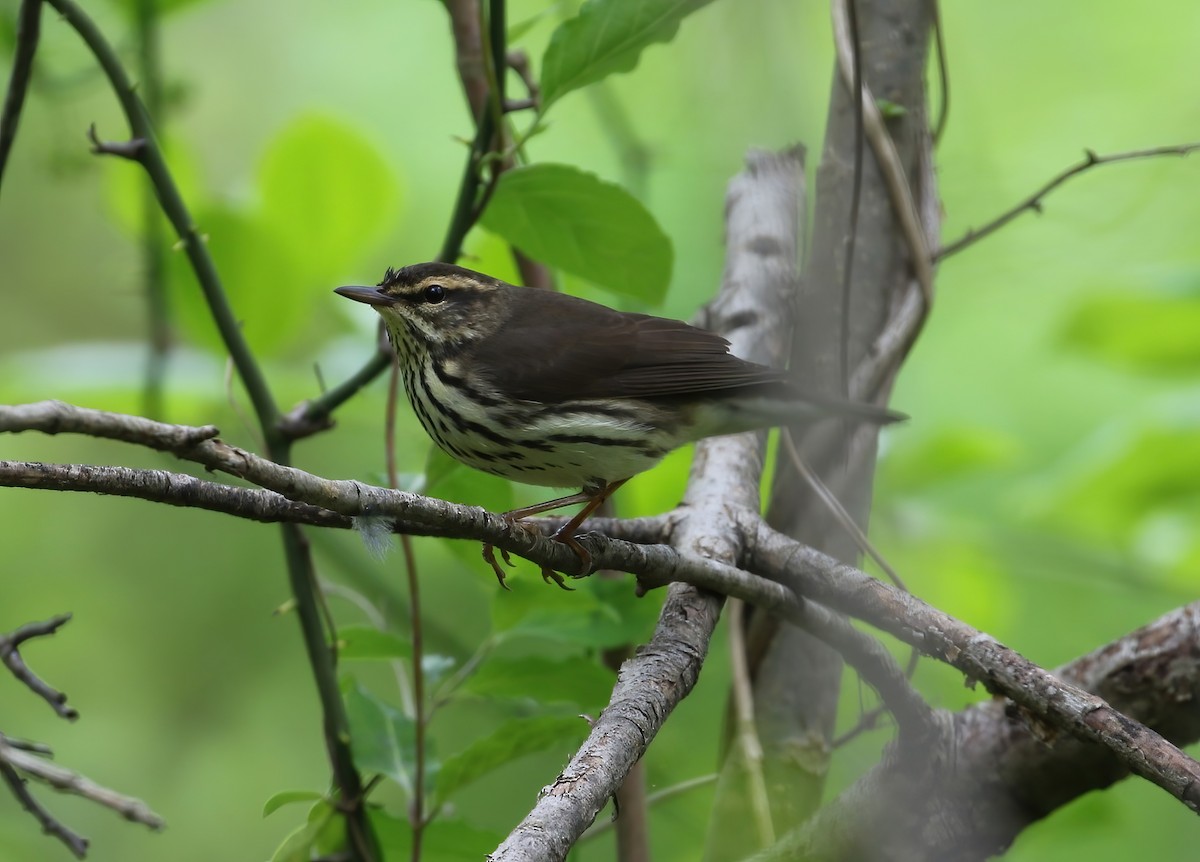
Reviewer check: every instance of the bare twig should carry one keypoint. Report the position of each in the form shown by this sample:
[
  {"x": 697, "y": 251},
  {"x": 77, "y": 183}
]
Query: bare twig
[
  {"x": 11, "y": 657},
  {"x": 1033, "y": 203},
  {"x": 746, "y": 730},
  {"x": 28, "y": 29},
  {"x": 50, "y": 824},
  {"x": 69, "y": 781},
  {"x": 21, "y": 757}
]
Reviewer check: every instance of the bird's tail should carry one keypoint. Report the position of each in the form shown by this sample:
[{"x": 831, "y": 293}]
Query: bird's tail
[{"x": 751, "y": 413}]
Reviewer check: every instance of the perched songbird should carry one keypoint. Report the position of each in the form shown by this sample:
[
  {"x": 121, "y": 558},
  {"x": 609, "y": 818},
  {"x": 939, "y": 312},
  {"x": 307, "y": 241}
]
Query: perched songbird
[{"x": 549, "y": 389}]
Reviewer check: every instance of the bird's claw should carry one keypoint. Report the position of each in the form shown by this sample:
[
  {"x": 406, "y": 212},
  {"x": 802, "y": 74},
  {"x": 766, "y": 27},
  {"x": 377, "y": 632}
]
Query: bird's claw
[
  {"x": 548, "y": 575},
  {"x": 489, "y": 556}
]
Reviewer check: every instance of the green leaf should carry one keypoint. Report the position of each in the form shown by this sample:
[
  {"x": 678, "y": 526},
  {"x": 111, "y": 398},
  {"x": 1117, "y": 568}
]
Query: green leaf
[
  {"x": 323, "y": 829},
  {"x": 607, "y": 36},
  {"x": 287, "y": 797},
  {"x": 327, "y": 191},
  {"x": 381, "y": 736},
  {"x": 576, "y": 680},
  {"x": 510, "y": 741},
  {"x": 571, "y": 219},
  {"x": 1148, "y": 331},
  {"x": 368, "y": 642},
  {"x": 890, "y": 110}
]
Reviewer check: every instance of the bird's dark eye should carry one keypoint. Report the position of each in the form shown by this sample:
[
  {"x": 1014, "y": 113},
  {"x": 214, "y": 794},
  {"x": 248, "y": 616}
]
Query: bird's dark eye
[{"x": 435, "y": 293}]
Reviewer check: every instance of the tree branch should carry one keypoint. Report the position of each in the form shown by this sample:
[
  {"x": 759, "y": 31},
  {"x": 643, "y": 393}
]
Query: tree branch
[
  {"x": 28, "y": 30},
  {"x": 11, "y": 657},
  {"x": 999, "y": 771},
  {"x": 1033, "y": 203},
  {"x": 18, "y": 758},
  {"x": 673, "y": 659}
]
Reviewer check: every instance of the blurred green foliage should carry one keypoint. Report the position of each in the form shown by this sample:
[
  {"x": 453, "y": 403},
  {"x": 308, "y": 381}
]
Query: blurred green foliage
[{"x": 1045, "y": 490}]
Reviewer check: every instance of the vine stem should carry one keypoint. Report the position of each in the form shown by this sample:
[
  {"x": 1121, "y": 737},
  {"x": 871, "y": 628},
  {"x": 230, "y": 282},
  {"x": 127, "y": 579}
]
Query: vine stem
[{"x": 144, "y": 149}]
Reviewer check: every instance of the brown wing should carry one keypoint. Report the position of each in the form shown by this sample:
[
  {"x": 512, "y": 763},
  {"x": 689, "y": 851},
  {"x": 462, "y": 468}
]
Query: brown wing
[{"x": 556, "y": 347}]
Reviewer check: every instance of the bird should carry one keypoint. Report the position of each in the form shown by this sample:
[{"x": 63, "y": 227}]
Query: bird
[{"x": 549, "y": 389}]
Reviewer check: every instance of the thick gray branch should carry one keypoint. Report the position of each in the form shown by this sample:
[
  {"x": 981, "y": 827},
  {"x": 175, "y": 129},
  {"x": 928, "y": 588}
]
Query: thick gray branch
[
  {"x": 1002, "y": 769},
  {"x": 762, "y": 211}
]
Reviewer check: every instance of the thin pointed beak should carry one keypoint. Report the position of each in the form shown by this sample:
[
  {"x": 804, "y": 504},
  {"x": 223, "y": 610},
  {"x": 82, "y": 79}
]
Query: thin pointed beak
[{"x": 369, "y": 295}]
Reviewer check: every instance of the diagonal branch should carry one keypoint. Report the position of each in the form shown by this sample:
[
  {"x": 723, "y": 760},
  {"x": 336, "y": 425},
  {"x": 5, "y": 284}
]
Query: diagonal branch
[
  {"x": 762, "y": 212},
  {"x": 1033, "y": 203},
  {"x": 1001, "y": 771}
]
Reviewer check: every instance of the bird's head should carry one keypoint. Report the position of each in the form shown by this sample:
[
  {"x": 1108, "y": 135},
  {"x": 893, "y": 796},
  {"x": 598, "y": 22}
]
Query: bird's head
[{"x": 433, "y": 305}]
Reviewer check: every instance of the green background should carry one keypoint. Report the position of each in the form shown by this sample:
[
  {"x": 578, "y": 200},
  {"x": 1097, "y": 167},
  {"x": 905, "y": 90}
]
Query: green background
[{"x": 1045, "y": 490}]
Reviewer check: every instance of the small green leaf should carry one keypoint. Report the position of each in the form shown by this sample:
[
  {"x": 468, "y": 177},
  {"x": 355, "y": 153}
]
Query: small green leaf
[
  {"x": 576, "y": 680},
  {"x": 321, "y": 829},
  {"x": 287, "y": 797},
  {"x": 327, "y": 192},
  {"x": 510, "y": 741},
  {"x": 368, "y": 642},
  {"x": 381, "y": 736},
  {"x": 571, "y": 219},
  {"x": 607, "y": 36},
  {"x": 890, "y": 110}
]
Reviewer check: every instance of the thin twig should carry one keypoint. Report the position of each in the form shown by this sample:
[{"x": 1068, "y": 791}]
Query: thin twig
[
  {"x": 154, "y": 262},
  {"x": 417, "y": 816},
  {"x": 11, "y": 657},
  {"x": 1033, "y": 203},
  {"x": 747, "y": 730},
  {"x": 69, "y": 781},
  {"x": 835, "y": 507},
  {"x": 939, "y": 51},
  {"x": 51, "y": 825},
  {"x": 857, "y": 88},
  {"x": 143, "y": 148},
  {"x": 28, "y": 30}
]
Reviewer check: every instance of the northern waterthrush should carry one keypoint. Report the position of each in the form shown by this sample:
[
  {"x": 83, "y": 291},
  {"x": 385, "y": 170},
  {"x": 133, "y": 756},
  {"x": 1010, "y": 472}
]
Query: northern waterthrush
[{"x": 549, "y": 389}]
